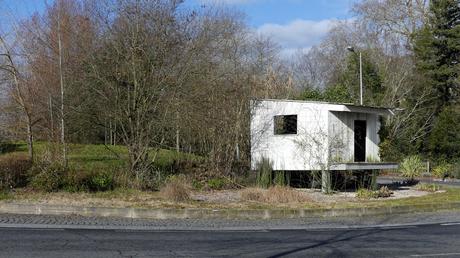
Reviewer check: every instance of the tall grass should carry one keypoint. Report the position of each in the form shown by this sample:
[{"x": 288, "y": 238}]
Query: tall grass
[{"x": 264, "y": 173}]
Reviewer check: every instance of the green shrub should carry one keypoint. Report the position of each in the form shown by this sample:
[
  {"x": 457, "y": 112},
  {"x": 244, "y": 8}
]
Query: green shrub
[
  {"x": 197, "y": 185},
  {"x": 216, "y": 183},
  {"x": 443, "y": 170},
  {"x": 13, "y": 170},
  {"x": 455, "y": 170},
  {"x": 411, "y": 167},
  {"x": 4, "y": 195},
  {"x": 428, "y": 187},
  {"x": 280, "y": 178},
  {"x": 264, "y": 173},
  {"x": 364, "y": 193},
  {"x": 101, "y": 180},
  {"x": 48, "y": 177},
  {"x": 75, "y": 181}
]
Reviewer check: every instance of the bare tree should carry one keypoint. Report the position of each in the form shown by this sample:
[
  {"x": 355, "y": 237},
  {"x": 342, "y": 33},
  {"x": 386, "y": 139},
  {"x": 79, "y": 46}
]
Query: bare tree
[{"x": 21, "y": 92}]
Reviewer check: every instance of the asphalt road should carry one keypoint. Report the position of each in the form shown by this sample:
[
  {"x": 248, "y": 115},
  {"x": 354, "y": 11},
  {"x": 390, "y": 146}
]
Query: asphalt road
[
  {"x": 434, "y": 240},
  {"x": 393, "y": 179}
]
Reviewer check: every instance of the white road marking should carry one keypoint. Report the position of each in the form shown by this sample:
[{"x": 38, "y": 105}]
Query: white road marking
[
  {"x": 450, "y": 224},
  {"x": 434, "y": 255}
]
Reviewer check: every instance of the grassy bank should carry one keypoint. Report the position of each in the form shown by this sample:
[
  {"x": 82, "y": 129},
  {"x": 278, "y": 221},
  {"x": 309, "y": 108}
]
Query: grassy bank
[{"x": 97, "y": 155}]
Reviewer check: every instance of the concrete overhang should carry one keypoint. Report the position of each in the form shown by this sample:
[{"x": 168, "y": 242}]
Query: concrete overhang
[
  {"x": 363, "y": 166},
  {"x": 362, "y": 109}
]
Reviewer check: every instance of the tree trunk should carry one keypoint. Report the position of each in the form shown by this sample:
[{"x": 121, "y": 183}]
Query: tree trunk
[{"x": 30, "y": 139}]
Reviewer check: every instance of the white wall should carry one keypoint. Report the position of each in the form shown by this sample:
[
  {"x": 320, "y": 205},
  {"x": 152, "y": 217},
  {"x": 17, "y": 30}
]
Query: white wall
[
  {"x": 323, "y": 135},
  {"x": 341, "y": 129},
  {"x": 307, "y": 150}
]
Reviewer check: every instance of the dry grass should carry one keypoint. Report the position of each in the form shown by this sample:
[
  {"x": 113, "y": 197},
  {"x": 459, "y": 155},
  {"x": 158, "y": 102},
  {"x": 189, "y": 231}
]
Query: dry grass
[
  {"x": 253, "y": 194},
  {"x": 275, "y": 194},
  {"x": 176, "y": 189}
]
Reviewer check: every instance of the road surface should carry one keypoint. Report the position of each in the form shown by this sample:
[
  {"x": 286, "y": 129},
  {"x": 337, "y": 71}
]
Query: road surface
[{"x": 433, "y": 240}]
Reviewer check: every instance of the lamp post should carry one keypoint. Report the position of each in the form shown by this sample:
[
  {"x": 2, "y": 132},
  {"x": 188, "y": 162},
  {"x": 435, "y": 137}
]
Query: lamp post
[{"x": 352, "y": 49}]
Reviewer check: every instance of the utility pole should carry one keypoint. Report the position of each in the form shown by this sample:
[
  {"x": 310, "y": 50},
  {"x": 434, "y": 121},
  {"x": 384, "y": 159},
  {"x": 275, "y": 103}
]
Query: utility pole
[
  {"x": 361, "y": 77},
  {"x": 352, "y": 49}
]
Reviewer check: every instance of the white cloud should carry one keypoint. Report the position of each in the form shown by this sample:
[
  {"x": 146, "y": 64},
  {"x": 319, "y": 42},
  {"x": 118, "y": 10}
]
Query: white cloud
[{"x": 298, "y": 34}]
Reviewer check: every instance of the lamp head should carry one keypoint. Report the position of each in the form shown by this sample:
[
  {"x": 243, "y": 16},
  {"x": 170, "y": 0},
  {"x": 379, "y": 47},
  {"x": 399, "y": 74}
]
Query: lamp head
[{"x": 351, "y": 49}]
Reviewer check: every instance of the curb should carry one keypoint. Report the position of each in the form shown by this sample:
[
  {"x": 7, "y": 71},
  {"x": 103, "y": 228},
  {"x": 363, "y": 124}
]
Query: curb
[{"x": 255, "y": 214}]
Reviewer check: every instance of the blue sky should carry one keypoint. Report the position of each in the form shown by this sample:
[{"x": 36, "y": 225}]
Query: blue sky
[{"x": 294, "y": 24}]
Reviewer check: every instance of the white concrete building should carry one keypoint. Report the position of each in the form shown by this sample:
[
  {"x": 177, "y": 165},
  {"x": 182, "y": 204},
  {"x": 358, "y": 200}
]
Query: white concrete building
[{"x": 309, "y": 135}]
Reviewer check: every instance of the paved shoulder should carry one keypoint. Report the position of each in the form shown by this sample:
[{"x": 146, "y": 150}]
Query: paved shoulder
[{"x": 83, "y": 222}]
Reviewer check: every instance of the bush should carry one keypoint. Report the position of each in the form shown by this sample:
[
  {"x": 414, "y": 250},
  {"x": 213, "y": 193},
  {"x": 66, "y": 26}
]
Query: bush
[
  {"x": 75, "y": 181},
  {"x": 442, "y": 171},
  {"x": 364, "y": 193},
  {"x": 264, "y": 173},
  {"x": 176, "y": 189},
  {"x": 428, "y": 187},
  {"x": 216, "y": 183},
  {"x": 455, "y": 170},
  {"x": 101, "y": 180},
  {"x": 48, "y": 177},
  {"x": 13, "y": 170},
  {"x": 384, "y": 192},
  {"x": 411, "y": 167},
  {"x": 51, "y": 177}
]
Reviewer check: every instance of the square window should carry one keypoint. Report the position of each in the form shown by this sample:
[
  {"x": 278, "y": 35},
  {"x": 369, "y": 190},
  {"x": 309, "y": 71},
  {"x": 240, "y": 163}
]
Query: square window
[{"x": 285, "y": 124}]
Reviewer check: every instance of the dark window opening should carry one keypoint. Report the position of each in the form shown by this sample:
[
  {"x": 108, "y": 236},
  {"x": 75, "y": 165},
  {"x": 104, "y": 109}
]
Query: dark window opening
[
  {"x": 286, "y": 124},
  {"x": 360, "y": 140}
]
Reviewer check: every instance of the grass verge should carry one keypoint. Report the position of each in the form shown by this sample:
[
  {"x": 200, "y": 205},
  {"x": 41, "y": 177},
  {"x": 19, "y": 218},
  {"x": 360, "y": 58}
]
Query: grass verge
[{"x": 249, "y": 199}]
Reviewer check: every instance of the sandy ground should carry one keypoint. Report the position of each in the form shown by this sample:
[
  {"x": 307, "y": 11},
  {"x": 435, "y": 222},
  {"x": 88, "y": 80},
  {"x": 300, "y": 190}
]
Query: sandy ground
[{"x": 230, "y": 196}]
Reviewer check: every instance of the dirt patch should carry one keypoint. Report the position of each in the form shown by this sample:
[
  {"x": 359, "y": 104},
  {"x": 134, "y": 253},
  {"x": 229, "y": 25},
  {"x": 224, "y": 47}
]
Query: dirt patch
[{"x": 293, "y": 198}]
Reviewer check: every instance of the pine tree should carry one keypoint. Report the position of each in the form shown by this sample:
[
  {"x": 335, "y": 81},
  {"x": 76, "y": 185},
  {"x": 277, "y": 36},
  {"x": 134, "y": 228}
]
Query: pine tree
[{"x": 437, "y": 51}]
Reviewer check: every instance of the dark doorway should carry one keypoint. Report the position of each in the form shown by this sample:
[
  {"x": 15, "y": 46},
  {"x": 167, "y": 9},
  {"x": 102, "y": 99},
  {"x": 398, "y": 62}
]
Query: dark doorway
[{"x": 360, "y": 140}]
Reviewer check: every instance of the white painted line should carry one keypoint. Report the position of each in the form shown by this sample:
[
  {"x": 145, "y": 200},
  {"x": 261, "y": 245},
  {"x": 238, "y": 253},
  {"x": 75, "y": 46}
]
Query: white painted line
[
  {"x": 396, "y": 227},
  {"x": 434, "y": 255},
  {"x": 450, "y": 224},
  {"x": 31, "y": 229}
]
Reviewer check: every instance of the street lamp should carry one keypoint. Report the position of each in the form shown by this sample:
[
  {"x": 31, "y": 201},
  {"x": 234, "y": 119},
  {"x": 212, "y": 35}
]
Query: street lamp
[{"x": 352, "y": 49}]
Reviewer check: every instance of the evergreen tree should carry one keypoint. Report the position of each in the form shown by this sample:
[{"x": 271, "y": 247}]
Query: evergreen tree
[
  {"x": 444, "y": 141},
  {"x": 437, "y": 51},
  {"x": 372, "y": 82}
]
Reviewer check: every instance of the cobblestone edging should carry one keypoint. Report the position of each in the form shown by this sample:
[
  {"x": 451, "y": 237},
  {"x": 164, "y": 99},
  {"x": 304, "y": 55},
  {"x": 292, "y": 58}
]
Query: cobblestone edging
[{"x": 256, "y": 214}]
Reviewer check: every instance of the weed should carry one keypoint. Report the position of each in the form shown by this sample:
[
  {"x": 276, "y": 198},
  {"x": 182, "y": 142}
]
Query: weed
[
  {"x": 275, "y": 194},
  {"x": 176, "y": 189},
  {"x": 264, "y": 173}
]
